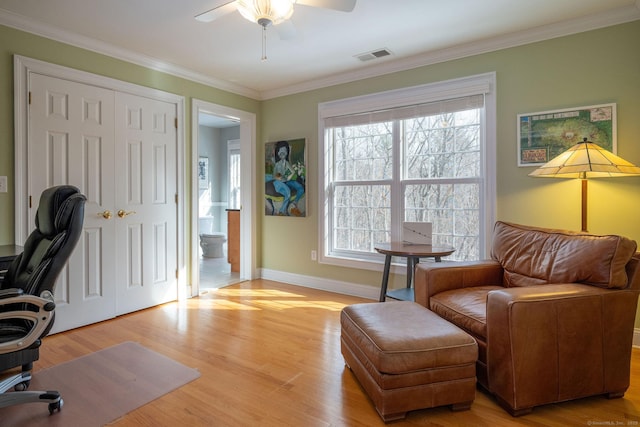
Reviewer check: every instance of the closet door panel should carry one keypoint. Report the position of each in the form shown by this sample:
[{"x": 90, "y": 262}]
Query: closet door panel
[
  {"x": 71, "y": 141},
  {"x": 146, "y": 133}
]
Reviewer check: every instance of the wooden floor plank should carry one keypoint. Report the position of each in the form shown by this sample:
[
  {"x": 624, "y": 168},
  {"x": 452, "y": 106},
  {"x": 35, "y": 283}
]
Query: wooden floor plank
[{"x": 269, "y": 355}]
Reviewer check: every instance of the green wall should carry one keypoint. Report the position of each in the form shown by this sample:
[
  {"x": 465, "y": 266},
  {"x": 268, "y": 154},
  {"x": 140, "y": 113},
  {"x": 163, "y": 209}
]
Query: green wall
[
  {"x": 14, "y": 42},
  {"x": 595, "y": 67}
]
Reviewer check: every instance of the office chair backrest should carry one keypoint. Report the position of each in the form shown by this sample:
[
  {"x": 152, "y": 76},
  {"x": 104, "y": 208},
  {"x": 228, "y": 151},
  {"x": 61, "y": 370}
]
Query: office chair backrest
[{"x": 59, "y": 222}]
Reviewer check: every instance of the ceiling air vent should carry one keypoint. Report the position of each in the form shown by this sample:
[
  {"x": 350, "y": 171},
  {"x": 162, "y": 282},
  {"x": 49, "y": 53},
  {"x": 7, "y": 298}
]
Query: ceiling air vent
[{"x": 379, "y": 53}]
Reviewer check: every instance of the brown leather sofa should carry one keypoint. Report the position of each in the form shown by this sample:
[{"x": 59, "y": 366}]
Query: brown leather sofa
[{"x": 553, "y": 313}]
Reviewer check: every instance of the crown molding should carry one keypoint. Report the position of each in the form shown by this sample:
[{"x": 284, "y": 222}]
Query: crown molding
[
  {"x": 19, "y": 22},
  {"x": 613, "y": 17}
]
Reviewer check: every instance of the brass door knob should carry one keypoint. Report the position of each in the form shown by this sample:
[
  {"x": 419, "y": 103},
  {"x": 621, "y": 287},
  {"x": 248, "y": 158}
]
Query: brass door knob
[
  {"x": 122, "y": 213},
  {"x": 105, "y": 214}
]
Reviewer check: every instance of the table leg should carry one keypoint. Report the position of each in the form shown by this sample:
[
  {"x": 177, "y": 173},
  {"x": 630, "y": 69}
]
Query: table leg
[
  {"x": 411, "y": 262},
  {"x": 385, "y": 278}
]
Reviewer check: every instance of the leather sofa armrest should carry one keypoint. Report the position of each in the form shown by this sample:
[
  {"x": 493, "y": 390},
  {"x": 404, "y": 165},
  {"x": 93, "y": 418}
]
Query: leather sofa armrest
[
  {"x": 633, "y": 272},
  {"x": 435, "y": 277},
  {"x": 558, "y": 342}
]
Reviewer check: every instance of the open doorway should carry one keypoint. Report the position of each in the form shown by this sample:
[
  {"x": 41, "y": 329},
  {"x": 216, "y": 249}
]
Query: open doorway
[
  {"x": 222, "y": 230},
  {"x": 218, "y": 198}
]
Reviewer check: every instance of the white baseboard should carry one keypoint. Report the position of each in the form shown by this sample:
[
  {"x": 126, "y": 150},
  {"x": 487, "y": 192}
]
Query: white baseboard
[
  {"x": 337, "y": 286},
  {"x": 340, "y": 287}
]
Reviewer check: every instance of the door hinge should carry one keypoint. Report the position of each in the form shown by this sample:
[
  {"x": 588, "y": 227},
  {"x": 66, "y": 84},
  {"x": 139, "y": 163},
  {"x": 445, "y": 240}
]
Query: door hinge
[
  {"x": 175, "y": 122},
  {"x": 29, "y": 97},
  {"x": 177, "y": 274},
  {"x": 176, "y": 198},
  {"x": 30, "y": 202}
]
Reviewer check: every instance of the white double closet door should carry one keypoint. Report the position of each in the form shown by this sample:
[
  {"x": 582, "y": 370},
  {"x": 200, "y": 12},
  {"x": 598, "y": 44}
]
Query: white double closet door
[{"x": 119, "y": 149}]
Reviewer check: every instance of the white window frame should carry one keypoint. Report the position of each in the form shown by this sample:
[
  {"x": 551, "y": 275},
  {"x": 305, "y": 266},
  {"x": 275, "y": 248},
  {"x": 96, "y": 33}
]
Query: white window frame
[
  {"x": 432, "y": 92},
  {"x": 233, "y": 148}
]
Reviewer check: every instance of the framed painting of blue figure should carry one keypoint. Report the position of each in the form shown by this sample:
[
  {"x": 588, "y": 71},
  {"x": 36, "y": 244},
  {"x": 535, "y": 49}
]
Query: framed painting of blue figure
[{"x": 285, "y": 178}]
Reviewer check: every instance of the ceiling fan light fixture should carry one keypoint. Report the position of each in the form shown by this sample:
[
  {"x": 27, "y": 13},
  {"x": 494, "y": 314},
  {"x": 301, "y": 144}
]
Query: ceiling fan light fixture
[{"x": 266, "y": 12}]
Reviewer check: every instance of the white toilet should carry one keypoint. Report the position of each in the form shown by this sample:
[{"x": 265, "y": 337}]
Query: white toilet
[{"x": 210, "y": 242}]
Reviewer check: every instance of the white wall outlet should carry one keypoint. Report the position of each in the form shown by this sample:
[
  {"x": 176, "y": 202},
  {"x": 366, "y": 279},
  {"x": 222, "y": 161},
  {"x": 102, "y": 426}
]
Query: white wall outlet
[
  {"x": 3, "y": 184},
  {"x": 314, "y": 255}
]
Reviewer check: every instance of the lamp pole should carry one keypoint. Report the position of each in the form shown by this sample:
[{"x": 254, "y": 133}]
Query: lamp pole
[{"x": 584, "y": 201}]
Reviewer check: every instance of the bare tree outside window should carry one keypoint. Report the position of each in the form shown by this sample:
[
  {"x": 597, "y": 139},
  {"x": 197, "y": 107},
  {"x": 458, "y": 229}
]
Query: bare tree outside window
[
  {"x": 443, "y": 160},
  {"x": 363, "y": 169},
  {"x": 440, "y": 162}
]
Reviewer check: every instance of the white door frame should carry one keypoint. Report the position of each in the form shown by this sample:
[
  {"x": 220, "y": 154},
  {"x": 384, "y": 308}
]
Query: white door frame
[
  {"x": 22, "y": 67},
  {"x": 247, "y": 195}
]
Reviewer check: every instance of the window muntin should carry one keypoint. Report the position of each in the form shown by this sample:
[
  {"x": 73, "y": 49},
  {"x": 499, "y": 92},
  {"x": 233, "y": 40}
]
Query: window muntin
[
  {"x": 362, "y": 152},
  {"x": 361, "y": 216},
  {"x": 454, "y": 211},
  {"x": 443, "y": 145}
]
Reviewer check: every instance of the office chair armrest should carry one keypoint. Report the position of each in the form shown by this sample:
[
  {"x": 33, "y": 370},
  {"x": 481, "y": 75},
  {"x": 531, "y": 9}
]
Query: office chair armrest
[
  {"x": 38, "y": 310},
  {"x": 11, "y": 292}
]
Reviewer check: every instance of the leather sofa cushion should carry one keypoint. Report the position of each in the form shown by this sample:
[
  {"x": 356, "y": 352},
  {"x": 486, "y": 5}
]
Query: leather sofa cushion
[
  {"x": 535, "y": 256},
  {"x": 399, "y": 337},
  {"x": 465, "y": 307}
]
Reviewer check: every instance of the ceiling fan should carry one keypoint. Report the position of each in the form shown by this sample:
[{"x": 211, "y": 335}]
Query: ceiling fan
[{"x": 272, "y": 12}]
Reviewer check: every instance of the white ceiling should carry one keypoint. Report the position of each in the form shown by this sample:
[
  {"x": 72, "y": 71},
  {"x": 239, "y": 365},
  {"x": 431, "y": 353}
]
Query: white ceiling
[
  {"x": 212, "y": 121},
  {"x": 163, "y": 35}
]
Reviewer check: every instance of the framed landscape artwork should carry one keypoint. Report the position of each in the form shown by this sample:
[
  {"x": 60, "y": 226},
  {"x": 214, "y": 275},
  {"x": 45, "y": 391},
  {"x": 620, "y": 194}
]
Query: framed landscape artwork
[{"x": 544, "y": 135}]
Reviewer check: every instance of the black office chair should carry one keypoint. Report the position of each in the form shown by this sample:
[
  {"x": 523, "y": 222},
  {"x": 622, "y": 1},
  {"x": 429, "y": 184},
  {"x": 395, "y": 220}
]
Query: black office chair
[{"x": 26, "y": 293}]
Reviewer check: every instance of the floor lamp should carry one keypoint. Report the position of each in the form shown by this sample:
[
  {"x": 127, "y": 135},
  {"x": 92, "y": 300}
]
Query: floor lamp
[{"x": 586, "y": 160}]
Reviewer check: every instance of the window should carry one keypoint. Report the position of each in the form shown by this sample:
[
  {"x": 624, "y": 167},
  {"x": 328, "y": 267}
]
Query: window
[
  {"x": 233, "y": 160},
  {"x": 425, "y": 153}
]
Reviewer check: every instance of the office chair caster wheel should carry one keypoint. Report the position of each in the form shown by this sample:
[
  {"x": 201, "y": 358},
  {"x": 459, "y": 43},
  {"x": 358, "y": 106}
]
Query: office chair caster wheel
[
  {"x": 22, "y": 386},
  {"x": 55, "y": 406}
]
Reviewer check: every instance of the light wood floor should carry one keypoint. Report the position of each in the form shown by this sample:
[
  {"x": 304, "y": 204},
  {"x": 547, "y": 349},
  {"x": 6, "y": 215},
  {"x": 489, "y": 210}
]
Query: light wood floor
[{"x": 269, "y": 355}]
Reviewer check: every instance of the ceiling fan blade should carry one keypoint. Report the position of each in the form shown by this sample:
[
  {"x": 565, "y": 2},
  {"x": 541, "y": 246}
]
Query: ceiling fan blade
[
  {"x": 286, "y": 30},
  {"x": 217, "y": 12},
  {"x": 341, "y": 5}
]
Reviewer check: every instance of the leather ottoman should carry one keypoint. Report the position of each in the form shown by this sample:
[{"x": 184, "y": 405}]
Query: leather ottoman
[{"x": 407, "y": 357}]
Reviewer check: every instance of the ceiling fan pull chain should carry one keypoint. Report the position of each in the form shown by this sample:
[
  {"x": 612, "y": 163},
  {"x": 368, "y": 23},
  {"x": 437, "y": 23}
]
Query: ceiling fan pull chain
[{"x": 264, "y": 43}]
